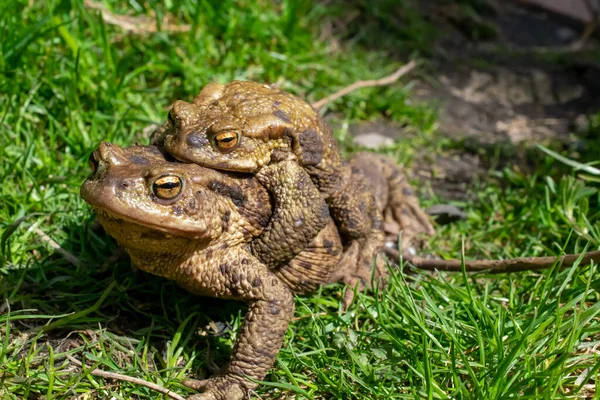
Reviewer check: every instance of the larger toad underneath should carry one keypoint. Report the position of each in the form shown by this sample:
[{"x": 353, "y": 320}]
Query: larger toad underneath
[{"x": 197, "y": 226}]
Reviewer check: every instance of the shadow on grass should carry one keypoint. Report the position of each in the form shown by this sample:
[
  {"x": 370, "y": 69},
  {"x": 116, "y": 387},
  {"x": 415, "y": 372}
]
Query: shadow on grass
[{"x": 104, "y": 307}]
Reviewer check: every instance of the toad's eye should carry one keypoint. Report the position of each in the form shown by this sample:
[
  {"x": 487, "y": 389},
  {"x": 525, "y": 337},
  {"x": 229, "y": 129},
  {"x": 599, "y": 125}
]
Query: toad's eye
[
  {"x": 93, "y": 161},
  {"x": 226, "y": 141},
  {"x": 167, "y": 187}
]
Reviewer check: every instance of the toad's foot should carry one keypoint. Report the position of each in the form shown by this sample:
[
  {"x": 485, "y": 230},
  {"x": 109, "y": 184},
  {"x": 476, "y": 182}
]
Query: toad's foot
[
  {"x": 394, "y": 194},
  {"x": 360, "y": 270},
  {"x": 222, "y": 387},
  {"x": 406, "y": 217},
  {"x": 404, "y": 208}
]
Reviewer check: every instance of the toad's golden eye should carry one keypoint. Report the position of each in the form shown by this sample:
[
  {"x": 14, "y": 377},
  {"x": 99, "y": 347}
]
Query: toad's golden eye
[
  {"x": 93, "y": 161},
  {"x": 167, "y": 187},
  {"x": 226, "y": 141}
]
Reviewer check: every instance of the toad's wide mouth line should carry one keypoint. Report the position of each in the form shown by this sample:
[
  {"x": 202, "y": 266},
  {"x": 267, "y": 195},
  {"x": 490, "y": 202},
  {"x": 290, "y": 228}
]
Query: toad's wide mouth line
[
  {"x": 169, "y": 232},
  {"x": 94, "y": 197}
]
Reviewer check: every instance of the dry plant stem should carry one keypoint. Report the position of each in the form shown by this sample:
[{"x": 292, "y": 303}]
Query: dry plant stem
[
  {"x": 70, "y": 257},
  {"x": 363, "y": 84},
  {"x": 388, "y": 80},
  {"x": 137, "y": 381},
  {"x": 588, "y": 31},
  {"x": 571, "y": 49},
  {"x": 498, "y": 266}
]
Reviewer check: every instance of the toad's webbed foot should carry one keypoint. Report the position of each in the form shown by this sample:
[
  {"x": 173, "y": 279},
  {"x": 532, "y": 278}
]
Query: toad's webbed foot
[
  {"x": 393, "y": 193},
  {"x": 222, "y": 387},
  {"x": 359, "y": 269},
  {"x": 403, "y": 213}
]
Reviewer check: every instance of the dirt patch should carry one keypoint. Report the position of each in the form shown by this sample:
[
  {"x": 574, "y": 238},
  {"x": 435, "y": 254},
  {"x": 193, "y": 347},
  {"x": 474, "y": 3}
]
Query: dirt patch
[
  {"x": 509, "y": 89},
  {"x": 531, "y": 81},
  {"x": 541, "y": 81}
]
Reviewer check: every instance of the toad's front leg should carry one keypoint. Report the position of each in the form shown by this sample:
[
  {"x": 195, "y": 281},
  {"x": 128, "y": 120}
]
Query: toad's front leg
[
  {"x": 300, "y": 213},
  {"x": 271, "y": 307}
]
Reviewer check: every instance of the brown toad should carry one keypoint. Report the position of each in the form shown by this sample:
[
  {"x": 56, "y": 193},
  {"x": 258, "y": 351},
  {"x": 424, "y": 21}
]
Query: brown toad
[
  {"x": 197, "y": 227},
  {"x": 245, "y": 126},
  {"x": 194, "y": 225}
]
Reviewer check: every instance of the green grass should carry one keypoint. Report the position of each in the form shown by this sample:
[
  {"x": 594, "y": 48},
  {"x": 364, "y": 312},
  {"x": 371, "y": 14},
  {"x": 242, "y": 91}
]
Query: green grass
[{"x": 69, "y": 81}]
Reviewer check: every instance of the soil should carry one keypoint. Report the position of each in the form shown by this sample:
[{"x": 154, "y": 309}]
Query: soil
[{"x": 532, "y": 81}]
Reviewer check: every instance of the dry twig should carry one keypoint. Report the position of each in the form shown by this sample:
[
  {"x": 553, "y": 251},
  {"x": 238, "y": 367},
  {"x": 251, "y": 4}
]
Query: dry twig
[
  {"x": 497, "y": 266},
  {"x": 135, "y": 24},
  {"x": 120, "y": 377},
  {"x": 388, "y": 80},
  {"x": 70, "y": 257}
]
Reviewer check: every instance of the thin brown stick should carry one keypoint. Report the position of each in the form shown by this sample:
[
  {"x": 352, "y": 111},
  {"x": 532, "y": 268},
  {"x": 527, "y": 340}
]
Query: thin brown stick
[
  {"x": 70, "y": 257},
  {"x": 497, "y": 266},
  {"x": 388, "y": 80},
  {"x": 120, "y": 377}
]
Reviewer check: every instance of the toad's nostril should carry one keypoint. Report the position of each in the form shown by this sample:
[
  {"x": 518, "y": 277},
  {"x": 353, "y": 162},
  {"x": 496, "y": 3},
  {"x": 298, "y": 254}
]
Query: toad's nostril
[
  {"x": 93, "y": 161},
  {"x": 172, "y": 119},
  {"x": 125, "y": 185}
]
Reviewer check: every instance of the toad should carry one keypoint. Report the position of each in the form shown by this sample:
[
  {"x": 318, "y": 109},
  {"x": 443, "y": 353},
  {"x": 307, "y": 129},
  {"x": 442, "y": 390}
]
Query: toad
[
  {"x": 247, "y": 126},
  {"x": 196, "y": 226}
]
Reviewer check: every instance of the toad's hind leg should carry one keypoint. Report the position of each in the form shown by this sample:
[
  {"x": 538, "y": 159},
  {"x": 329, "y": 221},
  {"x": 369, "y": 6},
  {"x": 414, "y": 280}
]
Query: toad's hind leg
[
  {"x": 360, "y": 222},
  {"x": 377, "y": 195},
  {"x": 398, "y": 201}
]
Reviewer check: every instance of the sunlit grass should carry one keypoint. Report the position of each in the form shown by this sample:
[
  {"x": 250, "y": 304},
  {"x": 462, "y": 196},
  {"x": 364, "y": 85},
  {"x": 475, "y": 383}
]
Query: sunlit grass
[{"x": 69, "y": 81}]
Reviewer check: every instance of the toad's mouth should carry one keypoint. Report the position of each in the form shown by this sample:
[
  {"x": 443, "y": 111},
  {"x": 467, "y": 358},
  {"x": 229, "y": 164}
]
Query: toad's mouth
[{"x": 168, "y": 232}]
